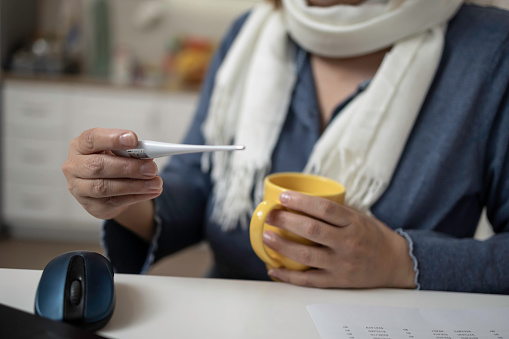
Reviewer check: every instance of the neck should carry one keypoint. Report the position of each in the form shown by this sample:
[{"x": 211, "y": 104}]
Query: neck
[
  {"x": 363, "y": 66},
  {"x": 337, "y": 78}
]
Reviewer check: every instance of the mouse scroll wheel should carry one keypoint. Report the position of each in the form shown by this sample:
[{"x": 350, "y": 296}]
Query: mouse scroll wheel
[{"x": 75, "y": 294}]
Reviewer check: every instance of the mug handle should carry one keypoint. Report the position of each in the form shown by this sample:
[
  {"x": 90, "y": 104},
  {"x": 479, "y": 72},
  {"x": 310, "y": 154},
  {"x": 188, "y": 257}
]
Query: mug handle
[{"x": 256, "y": 231}]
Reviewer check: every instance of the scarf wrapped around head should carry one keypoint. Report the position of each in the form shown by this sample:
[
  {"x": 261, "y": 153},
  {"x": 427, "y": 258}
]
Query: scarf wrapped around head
[{"x": 361, "y": 147}]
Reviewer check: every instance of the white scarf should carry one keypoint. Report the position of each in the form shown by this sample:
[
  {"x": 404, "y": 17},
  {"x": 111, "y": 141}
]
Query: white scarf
[{"x": 361, "y": 147}]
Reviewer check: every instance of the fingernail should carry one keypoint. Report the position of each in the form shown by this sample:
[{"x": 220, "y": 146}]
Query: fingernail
[
  {"x": 153, "y": 184},
  {"x": 267, "y": 237},
  {"x": 149, "y": 169},
  {"x": 284, "y": 197},
  {"x": 127, "y": 139}
]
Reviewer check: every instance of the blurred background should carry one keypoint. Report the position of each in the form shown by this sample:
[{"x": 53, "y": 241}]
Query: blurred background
[
  {"x": 153, "y": 43},
  {"x": 70, "y": 65}
]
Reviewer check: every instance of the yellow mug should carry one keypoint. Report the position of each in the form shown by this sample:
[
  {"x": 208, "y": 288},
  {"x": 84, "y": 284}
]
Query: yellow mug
[{"x": 274, "y": 185}]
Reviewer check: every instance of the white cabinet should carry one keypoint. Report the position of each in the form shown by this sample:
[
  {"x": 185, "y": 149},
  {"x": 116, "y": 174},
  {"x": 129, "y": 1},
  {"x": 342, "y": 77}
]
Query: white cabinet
[
  {"x": 39, "y": 121},
  {"x": 34, "y": 111}
]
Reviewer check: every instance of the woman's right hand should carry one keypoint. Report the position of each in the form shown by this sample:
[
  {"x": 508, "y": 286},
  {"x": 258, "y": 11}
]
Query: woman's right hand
[{"x": 106, "y": 184}]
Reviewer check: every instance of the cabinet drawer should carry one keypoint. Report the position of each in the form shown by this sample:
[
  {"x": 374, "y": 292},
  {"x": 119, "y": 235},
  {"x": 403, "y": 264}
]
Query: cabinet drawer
[
  {"x": 34, "y": 109},
  {"x": 33, "y": 201},
  {"x": 34, "y": 154},
  {"x": 27, "y": 176},
  {"x": 76, "y": 214}
]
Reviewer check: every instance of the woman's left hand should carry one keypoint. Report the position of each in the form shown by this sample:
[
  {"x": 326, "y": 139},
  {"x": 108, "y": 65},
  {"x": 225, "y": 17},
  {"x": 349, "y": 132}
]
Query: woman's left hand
[{"x": 354, "y": 250}]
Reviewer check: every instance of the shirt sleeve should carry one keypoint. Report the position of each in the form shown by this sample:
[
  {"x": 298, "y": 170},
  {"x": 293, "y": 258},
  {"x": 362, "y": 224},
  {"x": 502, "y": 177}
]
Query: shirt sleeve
[
  {"x": 466, "y": 264},
  {"x": 180, "y": 209}
]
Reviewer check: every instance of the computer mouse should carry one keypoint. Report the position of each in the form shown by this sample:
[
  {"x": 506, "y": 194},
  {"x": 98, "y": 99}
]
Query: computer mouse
[{"x": 77, "y": 287}]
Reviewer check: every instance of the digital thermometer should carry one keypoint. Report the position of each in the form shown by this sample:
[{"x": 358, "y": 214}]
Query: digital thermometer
[{"x": 147, "y": 149}]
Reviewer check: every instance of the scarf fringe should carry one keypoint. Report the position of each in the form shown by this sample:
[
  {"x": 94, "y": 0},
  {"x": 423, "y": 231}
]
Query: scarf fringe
[
  {"x": 363, "y": 187},
  {"x": 236, "y": 193},
  {"x": 356, "y": 151}
]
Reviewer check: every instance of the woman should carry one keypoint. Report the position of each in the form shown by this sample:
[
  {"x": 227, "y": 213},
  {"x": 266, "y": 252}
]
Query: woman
[{"x": 405, "y": 102}]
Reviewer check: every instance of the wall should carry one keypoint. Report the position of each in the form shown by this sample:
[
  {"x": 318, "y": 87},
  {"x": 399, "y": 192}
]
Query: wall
[{"x": 207, "y": 18}]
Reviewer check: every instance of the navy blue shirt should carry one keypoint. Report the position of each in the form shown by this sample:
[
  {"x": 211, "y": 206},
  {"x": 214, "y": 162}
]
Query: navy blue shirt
[{"x": 455, "y": 163}]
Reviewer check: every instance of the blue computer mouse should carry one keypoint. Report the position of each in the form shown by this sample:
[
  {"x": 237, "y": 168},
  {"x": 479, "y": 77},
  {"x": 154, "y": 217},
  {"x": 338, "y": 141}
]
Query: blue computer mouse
[{"x": 77, "y": 287}]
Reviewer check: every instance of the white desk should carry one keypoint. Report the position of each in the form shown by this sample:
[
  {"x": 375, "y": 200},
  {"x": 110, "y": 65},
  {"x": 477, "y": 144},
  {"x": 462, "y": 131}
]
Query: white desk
[{"x": 169, "y": 307}]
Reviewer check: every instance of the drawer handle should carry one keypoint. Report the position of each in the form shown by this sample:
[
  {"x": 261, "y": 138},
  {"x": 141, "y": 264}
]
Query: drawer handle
[
  {"x": 34, "y": 111},
  {"x": 34, "y": 157},
  {"x": 34, "y": 202}
]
